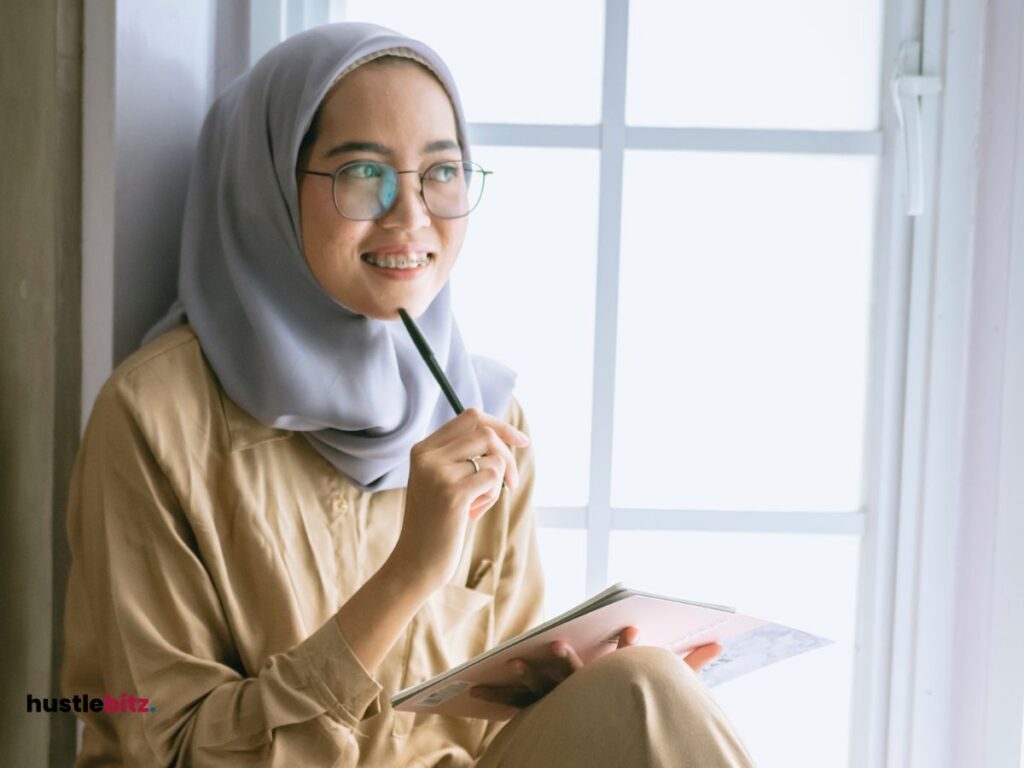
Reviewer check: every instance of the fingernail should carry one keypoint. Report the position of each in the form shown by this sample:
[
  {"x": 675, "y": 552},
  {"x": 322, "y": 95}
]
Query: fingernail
[{"x": 523, "y": 436}]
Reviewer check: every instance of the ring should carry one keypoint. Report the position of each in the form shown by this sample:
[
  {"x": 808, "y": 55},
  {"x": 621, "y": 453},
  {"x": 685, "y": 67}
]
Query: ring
[{"x": 476, "y": 467}]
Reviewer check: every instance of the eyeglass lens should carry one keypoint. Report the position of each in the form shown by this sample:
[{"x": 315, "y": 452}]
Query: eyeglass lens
[{"x": 366, "y": 190}]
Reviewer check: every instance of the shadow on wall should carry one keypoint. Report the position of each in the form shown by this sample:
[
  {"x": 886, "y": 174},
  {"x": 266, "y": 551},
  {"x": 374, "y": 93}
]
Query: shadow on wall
[{"x": 165, "y": 85}]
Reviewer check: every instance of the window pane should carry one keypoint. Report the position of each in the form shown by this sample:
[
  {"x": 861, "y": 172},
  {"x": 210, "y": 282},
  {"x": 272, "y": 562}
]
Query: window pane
[
  {"x": 563, "y": 551},
  {"x": 752, "y": 64},
  {"x": 524, "y": 294},
  {"x": 794, "y": 713},
  {"x": 523, "y": 62},
  {"x": 744, "y": 298}
]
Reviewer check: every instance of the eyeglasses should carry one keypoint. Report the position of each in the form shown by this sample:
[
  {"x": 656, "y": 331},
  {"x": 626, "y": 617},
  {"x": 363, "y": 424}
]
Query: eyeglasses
[{"x": 364, "y": 190}]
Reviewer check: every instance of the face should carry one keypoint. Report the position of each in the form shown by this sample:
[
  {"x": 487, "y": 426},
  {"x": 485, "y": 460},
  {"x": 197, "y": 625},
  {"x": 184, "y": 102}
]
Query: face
[{"x": 404, "y": 110}]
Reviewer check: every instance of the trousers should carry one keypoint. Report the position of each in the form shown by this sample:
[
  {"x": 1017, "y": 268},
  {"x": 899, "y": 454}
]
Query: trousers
[{"x": 637, "y": 707}]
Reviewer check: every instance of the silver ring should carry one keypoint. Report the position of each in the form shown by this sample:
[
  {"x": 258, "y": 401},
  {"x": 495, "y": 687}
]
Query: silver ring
[{"x": 476, "y": 467}]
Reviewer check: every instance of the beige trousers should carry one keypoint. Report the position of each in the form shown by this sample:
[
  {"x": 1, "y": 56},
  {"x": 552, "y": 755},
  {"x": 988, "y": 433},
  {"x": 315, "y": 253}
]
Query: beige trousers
[{"x": 637, "y": 707}]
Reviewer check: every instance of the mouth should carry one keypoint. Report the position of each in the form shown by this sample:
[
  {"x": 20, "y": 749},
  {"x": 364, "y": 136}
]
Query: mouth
[{"x": 399, "y": 266}]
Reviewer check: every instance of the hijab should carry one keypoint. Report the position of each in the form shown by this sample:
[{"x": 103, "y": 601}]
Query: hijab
[{"x": 283, "y": 349}]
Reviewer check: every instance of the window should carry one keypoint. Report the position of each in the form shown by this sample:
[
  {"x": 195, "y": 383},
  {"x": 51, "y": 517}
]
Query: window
[{"x": 703, "y": 377}]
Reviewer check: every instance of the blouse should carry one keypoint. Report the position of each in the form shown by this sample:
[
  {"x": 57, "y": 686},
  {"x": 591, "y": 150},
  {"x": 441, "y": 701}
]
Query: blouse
[{"x": 209, "y": 555}]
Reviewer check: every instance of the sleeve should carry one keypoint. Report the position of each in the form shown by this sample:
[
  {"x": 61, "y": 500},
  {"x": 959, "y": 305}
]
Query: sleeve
[
  {"x": 160, "y": 631},
  {"x": 519, "y": 598}
]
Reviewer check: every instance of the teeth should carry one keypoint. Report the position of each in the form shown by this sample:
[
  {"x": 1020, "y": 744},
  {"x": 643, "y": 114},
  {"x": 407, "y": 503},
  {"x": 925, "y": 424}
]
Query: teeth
[{"x": 398, "y": 262}]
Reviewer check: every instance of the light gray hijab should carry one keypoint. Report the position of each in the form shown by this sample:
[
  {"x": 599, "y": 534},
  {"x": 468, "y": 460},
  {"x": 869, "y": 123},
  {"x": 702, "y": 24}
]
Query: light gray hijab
[{"x": 282, "y": 348}]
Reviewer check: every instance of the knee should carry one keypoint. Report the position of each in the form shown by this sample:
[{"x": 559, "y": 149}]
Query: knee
[{"x": 648, "y": 670}]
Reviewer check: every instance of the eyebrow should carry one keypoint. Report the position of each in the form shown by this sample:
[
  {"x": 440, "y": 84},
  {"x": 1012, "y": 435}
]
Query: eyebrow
[{"x": 380, "y": 149}]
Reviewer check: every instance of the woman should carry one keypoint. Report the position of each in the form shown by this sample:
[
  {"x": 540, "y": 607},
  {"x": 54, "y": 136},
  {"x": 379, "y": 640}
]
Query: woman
[{"x": 275, "y": 521}]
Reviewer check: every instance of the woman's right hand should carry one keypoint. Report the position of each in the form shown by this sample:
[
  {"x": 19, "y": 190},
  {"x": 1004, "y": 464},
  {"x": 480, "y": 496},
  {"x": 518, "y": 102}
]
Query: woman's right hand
[{"x": 444, "y": 490}]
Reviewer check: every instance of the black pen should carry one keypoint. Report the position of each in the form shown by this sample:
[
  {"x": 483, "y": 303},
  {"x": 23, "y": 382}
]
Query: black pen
[{"x": 428, "y": 357}]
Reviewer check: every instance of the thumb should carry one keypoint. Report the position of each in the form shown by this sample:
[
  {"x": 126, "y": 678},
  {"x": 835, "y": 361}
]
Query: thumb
[
  {"x": 702, "y": 655},
  {"x": 627, "y": 637}
]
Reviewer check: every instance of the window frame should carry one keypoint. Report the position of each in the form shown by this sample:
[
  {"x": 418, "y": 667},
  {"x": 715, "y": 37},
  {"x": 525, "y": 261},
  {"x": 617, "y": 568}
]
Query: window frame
[{"x": 887, "y": 338}]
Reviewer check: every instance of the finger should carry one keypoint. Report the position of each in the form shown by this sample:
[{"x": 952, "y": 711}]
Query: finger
[
  {"x": 481, "y": 442},
  {"x": 467, "y": 421},
  {"x": 702, "y": 655},
  {"x": 506, "y": 431},
  {"x": 468, "y": 489},
  {"x": 563, "y": 650},
  {"x": 495, "y": 463},
  {"x": 481, "y": 489},
  {"x": 475, "y": 444},
  {"x": 530, "y": 677},
  {"x": 511, "y": 697},
  {"x": 485, "y": 501},
  {"x": 483, "y": 505},
  {"x": 628, "y": 637}
]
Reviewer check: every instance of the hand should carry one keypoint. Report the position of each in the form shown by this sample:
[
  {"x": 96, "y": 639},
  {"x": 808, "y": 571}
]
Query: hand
[
  {"x": 445, "y": 491},
  {"x": 537, "y": 680}
]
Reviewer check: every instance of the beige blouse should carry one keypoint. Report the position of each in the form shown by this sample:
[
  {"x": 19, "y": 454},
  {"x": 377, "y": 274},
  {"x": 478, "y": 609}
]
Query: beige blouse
[{"x": 209, "y": 556}]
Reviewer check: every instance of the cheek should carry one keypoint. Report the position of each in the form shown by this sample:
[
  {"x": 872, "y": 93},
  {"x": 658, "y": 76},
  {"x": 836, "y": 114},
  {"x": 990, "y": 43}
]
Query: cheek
[
  {"x": 326, "y": 236},
  {"x": 453, "y": 233},
  {"x": 317, "y": 217}
]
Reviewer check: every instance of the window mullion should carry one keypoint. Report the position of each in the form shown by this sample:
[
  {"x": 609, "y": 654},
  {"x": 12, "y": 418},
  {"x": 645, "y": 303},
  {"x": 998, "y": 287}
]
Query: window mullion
[
  {"x": 884, "y": 430},
  {"x": 613, "y": 138},
  {"x": 740, "y": 521},
  {"x": 534, "y": 135},
  {"x": 736, "y": 521},
  {"x": 755, "y": 140}
]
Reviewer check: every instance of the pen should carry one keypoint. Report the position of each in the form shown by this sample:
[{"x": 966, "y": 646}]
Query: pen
[{"x": 428, "y": 357}]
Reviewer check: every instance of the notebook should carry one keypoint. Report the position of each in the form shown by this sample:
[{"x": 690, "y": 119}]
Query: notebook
[{"x": 592, "y": 629}]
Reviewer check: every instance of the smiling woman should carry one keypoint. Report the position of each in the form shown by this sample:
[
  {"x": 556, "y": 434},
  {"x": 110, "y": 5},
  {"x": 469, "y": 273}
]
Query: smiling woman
[
  {"x": 355, "y": 235},
  {"x": 275, "y": 523}
]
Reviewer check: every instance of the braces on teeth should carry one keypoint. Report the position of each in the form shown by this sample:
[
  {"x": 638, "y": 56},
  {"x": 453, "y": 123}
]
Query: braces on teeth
[{"x": 401, "y": 262}]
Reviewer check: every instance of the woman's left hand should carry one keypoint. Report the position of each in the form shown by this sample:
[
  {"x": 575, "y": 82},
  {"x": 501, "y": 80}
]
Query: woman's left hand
[{"x": 536, "y": 681}]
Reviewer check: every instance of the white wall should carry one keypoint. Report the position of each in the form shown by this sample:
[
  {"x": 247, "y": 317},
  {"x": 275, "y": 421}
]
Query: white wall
[
  {"x": 962, "y": 664},
  {"x": 151, "y": 69},
  {"x": 988, "y": 678}
]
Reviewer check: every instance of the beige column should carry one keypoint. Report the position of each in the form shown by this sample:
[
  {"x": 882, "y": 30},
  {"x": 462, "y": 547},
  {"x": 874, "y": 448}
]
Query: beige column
[{"x": 40, "y": 230}]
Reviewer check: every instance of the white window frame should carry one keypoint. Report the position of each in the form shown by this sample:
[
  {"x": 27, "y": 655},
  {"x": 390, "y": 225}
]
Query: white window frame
[
  {"x": 888, "y": 543},
  {"x": 958, "y": 692},
  {"x": 884, "y": 413}
]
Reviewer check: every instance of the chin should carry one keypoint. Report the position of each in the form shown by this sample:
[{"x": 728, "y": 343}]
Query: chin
[{"x": 388, "y": 310}]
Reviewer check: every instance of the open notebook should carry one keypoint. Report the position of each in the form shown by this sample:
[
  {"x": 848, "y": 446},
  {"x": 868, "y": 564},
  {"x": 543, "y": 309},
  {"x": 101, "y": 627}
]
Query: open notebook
[{"x": 593, "y": 627}]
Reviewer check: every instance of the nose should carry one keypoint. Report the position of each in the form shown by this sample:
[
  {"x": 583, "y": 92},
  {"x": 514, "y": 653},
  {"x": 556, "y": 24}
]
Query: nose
[{"x": 409, "y": 211}]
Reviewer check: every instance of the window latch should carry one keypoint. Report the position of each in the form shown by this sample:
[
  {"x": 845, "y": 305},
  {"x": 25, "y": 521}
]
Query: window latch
[{"x": 908, "y": 86}]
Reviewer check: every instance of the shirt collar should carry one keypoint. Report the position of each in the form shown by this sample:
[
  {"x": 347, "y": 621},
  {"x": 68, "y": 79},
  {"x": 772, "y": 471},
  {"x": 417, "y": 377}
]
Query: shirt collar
[{"x": 244, "y": 430}]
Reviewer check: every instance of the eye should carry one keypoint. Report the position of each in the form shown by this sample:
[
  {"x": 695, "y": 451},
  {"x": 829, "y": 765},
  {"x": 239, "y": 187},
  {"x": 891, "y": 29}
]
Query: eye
[
  {"x": 363, "y": 171},
  {"x": 445, "y": 172}
]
